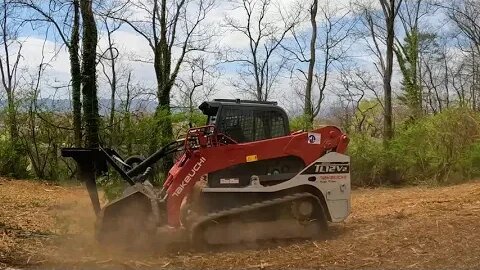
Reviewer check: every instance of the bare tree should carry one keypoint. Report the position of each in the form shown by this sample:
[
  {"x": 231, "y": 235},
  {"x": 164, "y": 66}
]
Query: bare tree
[
  {"x": 197, "y": 83},
  {"x": 321, "y": 53},
  {"x": 309, "y": 110},
  {"x": 173, "y": 31},
  {"x": 40, "y": 140},
  {"x": 408, "y": 53},
  {"x": 128, "y": 92},
  {"x": 9, "y": 63},
  {"x": 110, "y": 56},
  {"x": 264, "y": 32},
  {"x": 464, "y": 15},
  {"x": 129, "y": 95},
  {"x": 64, "y": 15},
  {"x": 435, "y": 71},
  {"x": 381, "y": 42},
  {"x": 89, "y": 74},
  {"x": 381, "y": 26}
]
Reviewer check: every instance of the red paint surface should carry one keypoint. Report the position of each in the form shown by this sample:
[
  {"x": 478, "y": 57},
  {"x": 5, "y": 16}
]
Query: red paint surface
[{"x": 220, "y": 156}]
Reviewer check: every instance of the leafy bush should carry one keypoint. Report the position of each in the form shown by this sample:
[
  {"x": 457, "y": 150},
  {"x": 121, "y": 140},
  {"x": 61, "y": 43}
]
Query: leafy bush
[
  {"x": 112, "y": 186},
  {"x": 434, "y": 149},
  {"x": 471, "y": 162},
  {"x": 368, "y": 159},
  {"x": 439, "y": 149},
  {"x": 298, "y": 123},
  {"x": 12, "y": 162}
]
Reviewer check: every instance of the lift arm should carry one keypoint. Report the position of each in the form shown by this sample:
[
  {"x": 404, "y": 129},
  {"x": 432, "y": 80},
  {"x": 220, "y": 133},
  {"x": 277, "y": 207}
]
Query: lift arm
[{"x": 93, "y": 162}]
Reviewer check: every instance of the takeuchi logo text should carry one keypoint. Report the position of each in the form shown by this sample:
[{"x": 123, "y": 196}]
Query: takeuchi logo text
[{"x": 189, "y": 177}]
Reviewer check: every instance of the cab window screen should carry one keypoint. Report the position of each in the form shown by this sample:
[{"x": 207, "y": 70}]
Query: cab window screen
[
  {"x": 261, "y": 127},
  {"x": 269, "y": 124},
  {"x": 237, "y": 124},
  {"x": 278, "y": 126},
  {"x": 246, "y": 124}
]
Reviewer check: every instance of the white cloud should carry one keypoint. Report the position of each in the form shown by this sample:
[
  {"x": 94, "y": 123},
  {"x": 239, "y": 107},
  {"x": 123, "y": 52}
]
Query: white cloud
[
  {"x": 132, "y": 47},
  {"x": 57, "y": 74}
]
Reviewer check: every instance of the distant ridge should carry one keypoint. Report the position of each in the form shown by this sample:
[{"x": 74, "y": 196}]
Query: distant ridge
[{"x": 64, "y": 105}]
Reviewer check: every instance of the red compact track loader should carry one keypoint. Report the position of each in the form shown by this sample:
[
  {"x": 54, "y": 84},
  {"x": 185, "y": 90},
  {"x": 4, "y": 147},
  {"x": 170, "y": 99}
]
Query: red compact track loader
[{"x": 243, "y": 177}]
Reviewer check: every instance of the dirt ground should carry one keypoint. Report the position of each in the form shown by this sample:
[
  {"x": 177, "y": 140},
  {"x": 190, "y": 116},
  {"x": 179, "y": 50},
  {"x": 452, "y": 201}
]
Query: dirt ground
[{"x": 51, "y": 227}]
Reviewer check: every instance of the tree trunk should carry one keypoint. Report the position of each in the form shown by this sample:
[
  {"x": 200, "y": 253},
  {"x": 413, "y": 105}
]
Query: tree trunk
[
  {"x": 127, "y": 119},
  {"x": 163, "y": 133},
  {"x": 162, "y": 65},
  {"x": 8, "y": 71},
  {"x": 113, "y": 87},
  {"x": 308, "y": 90},
  {"x": 162, "y": 113},
  {"x": 388, "y": 133},
  {"x": 75, "y": 71},
  {"x": 89, "y": 76},
  {"x": 387, "y": 78},
  {"x": 12, "y": 118}
]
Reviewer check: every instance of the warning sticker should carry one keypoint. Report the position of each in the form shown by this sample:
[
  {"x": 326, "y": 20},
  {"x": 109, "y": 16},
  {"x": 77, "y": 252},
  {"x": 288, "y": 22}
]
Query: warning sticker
[
  {"x": 229, "y": 181},
  {"x": 252, "y": 158},
  {"x": 314, "y": 138}
]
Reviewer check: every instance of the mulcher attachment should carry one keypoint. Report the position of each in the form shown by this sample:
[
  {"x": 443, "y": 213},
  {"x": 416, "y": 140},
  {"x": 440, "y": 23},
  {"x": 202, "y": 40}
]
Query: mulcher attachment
[
  {"x": 91, "y": 163},
  {"x": 131, "y": 219}
]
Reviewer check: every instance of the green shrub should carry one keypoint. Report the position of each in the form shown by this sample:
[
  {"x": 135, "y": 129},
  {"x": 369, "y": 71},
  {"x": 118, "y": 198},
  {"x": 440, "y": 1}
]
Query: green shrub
[
  {"x": 471, "y": 162},
  {"x": 434, "y": 149},
  {"x": 368, "y": 159},
  {"x": 439, "y": 149},
  {"x": 112, "y": 186},
  {"x": 299, "y": 123},
  {"x": 12, "y": 162}
]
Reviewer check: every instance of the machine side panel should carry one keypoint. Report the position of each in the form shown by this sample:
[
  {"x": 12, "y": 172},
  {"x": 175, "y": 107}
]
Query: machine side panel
[
  {"x": 329, "y": 174},
  {"x": 189, "y": 170}
]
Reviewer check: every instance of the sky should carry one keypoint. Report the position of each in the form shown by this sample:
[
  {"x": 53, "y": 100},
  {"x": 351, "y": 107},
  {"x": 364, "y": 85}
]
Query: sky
[{"x": 133, "y": 47}]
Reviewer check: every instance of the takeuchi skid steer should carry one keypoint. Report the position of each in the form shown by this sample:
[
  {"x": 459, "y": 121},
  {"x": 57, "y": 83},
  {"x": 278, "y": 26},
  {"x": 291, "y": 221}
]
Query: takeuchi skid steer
[{"x": 243, "y": 177}]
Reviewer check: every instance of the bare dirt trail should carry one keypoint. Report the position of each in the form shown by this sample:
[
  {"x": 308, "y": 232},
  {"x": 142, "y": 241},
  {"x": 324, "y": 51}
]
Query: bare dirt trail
[{"x": 43, "y": 226}]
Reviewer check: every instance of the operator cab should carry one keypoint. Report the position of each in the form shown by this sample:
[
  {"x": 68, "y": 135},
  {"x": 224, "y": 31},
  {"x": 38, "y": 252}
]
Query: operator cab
[
  {"x": 249, "y": 121},
  {"x": 246, "y": 121}
]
